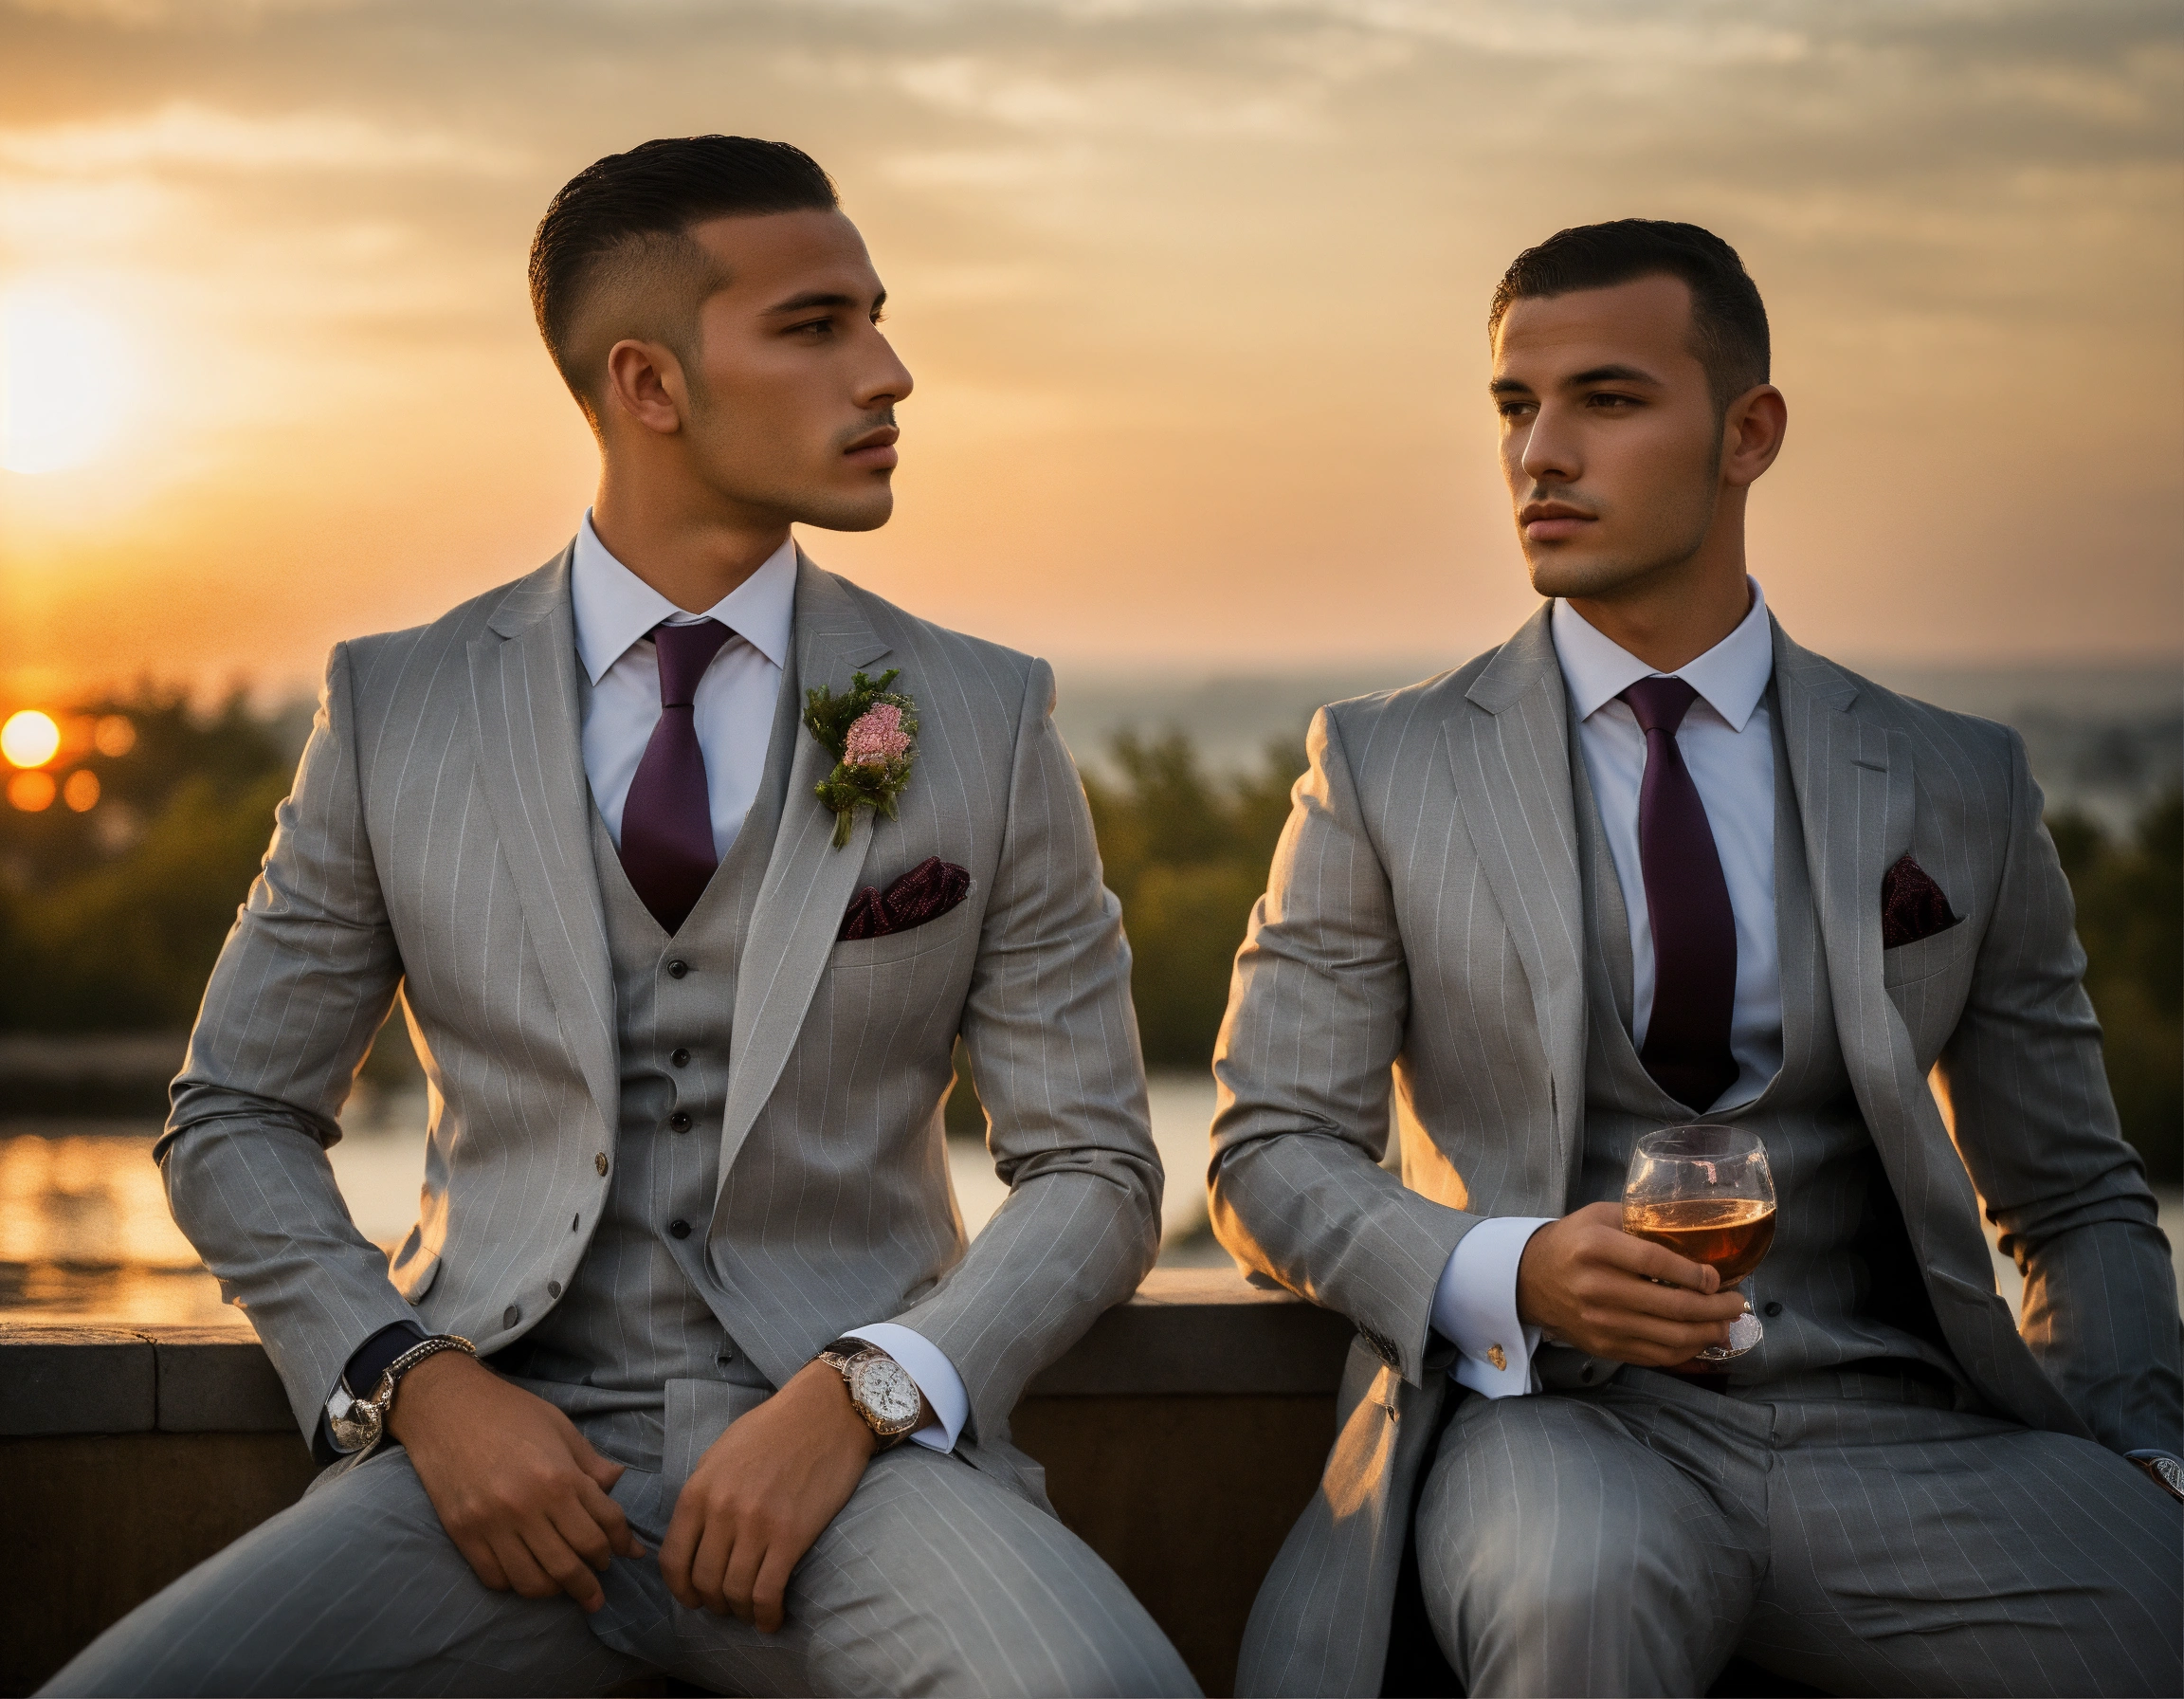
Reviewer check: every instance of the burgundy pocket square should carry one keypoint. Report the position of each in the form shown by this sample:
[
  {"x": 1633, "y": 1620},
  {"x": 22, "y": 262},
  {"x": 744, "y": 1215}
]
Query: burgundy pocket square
[
  {"x": 1912, "y": 906},
  {"x": 926, "y": 892}
]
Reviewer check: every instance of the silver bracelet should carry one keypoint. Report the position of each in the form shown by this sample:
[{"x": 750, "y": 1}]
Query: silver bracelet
[{"x": 363, "y": 1425}]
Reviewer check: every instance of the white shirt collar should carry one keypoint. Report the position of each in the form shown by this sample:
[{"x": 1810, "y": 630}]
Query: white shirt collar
[
  {"x": 615, "y": 608},
  {"x": 1732, "y": 675}
]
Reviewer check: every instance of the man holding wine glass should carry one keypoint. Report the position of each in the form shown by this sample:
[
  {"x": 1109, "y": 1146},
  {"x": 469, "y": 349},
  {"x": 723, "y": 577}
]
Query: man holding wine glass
[{"x": 1657, "y": 924}]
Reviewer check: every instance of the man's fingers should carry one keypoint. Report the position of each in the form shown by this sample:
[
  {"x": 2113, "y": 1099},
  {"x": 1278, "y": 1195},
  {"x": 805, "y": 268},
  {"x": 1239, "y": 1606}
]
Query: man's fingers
[
  {"x": 605, "y": 1471},
  {"x": 607, "y": 1515},
  {"x": 574, "y": 1522},
  {"x": 558, "y": 1559},
  {"x": 483, "y": 1564},
  {"x": 676, "y": 1551},
  {"x": 521, "y": 1568},
  {"x": 739, "y": 1579},
  {"x": 709, "y": 1566},
  {"x": 1657, "y": 1262},
  {"x": 769, "y": 1592}
]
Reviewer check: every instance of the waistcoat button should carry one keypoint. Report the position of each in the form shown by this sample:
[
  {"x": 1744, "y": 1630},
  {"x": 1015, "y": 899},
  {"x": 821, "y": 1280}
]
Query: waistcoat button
[
  {"x": 678, "y": 1122},
  {"x": 681, "y": 1058},
  {"x": 510, "y": 1316},
  {"x": 676, "y": 968},
  {"x": 680, "y": 1229},
  {"x": 600, "y": 1163},
  {"x": 1773, "y": 1309},
  {"x": 553, "y": 1288}
]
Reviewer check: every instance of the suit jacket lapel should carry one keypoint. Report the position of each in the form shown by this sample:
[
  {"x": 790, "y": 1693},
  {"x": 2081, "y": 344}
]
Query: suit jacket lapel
[
  {"x": 531, "y": 767},
  {"x": 808, "y": 882},
  {"x": 1512, "y": 769},
  {"x": 1854, "y": 785}
]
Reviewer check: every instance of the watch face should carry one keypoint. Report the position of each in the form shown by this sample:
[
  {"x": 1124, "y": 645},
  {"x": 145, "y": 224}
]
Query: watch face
[
  {"x": 2170, "y": 1473},
  {"x": 883, "y": 1388}
]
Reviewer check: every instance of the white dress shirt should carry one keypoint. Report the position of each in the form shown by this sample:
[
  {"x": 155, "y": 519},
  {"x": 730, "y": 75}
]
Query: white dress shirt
[
  {"x": 732, "y": 710},
  {"x": 1727, "y": 742}
]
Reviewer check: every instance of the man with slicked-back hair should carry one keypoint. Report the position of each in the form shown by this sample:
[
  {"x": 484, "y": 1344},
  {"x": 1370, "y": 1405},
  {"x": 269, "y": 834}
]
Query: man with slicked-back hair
[
  {"x": 688, "y": 864},
  {"x": 1650, "y": 863}
]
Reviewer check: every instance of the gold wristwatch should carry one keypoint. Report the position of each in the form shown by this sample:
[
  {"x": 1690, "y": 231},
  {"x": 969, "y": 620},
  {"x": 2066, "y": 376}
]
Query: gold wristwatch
[
  {"x": 881, "y": 1389},
  {"x": 364, "y": 1423}
]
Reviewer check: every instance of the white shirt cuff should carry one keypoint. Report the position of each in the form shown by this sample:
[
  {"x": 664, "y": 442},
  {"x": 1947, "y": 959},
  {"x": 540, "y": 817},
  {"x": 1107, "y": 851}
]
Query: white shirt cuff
[
  {"x": 925, "y": 1364},
  {"x": 1474, "y": 1308}
]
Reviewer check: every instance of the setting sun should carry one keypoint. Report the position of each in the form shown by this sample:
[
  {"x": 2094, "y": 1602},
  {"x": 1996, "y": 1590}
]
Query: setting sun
[
  {"x": 67, "y": 382},
  {"x": 30, "y": 739}
]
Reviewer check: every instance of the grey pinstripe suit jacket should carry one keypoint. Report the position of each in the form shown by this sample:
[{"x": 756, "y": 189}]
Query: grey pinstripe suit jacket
[
  {"x": 1425, "y": 915},
  {"x": 437, "y": 843}
]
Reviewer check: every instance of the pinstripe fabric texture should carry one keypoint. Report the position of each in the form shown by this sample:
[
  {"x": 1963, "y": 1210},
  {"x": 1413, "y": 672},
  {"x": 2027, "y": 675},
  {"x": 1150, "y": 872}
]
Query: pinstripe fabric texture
[
  {"x": 438, "y": 845},
  {"x": 1424, "y": 930},
  {"x": 1840, "y": 1276},
  {"x": 355, "y": 1590},
  {"x": 1846, "y": 1529}
]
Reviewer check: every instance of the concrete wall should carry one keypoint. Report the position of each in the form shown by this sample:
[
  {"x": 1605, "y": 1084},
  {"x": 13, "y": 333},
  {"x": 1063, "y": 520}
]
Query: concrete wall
[{"x": 1181, "y": 1437}]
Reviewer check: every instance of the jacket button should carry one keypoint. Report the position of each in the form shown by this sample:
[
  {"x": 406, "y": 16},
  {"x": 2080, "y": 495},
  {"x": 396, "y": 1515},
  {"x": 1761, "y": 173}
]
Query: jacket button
[
  {"x": 1771, "y": 1309},
  {"x": 680, "y": 1229},
  {"x": 553, "y": 1288},
  {"x": 678, "y": 1122},
  {"x": 510, "y": 1316},
  {"x": 600, "y": 1163},
  {"x": 676, "y": 968},
  {"x": 681, "y": 1058}
]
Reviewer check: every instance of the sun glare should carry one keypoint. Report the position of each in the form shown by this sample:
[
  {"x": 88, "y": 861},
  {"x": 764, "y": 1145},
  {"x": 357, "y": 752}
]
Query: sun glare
[
  {"x": 30, "y": 739},
  {"x": 67, "y": 382}
]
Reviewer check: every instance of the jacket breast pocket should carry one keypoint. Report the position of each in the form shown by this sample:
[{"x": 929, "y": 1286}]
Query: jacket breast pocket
[
  {"x": 1908, "y": 964},
  {"x": 938, "y": 933}
]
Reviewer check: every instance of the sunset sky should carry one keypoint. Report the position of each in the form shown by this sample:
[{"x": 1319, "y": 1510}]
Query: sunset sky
[{"x": 1194, "y": 291}]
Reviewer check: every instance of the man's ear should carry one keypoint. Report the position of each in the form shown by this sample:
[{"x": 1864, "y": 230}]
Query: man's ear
[
  {"x": 1752, "y": 433},
  {"x": 644, "y": 384}
]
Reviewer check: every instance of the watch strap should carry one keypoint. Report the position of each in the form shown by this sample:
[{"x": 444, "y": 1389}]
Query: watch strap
[
  {"x": 2165, "y": 1468},
  {"x": 363, "y": 1425}
]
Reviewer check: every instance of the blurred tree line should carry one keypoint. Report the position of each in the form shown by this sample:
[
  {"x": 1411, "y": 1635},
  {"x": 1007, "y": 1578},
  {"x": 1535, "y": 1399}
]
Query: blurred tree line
[{"x": 110, "y": 920}]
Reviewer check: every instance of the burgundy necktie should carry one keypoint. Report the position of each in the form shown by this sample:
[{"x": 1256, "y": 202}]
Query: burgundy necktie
[
  {"x": 1688, "y": 904},
  {"x": 667, "y": 817}
]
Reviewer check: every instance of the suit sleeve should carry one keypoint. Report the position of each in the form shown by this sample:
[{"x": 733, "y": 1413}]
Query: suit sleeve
[
  {"x": 1316, "y": 1013},
  {"x": 302, "y": 985},
  {"x": 1053, "y": 1047},
  {"x": 2037, "y": 1127}
]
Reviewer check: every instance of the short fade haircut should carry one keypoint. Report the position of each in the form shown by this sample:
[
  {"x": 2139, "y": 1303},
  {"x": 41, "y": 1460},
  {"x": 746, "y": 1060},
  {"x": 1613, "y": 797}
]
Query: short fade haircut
[
  {"x": 1728, "y": 320},
  {"x": 621, "y": 225}
]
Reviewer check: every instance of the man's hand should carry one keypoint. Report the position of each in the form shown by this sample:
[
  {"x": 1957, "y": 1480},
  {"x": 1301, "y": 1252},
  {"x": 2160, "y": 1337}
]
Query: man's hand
[
  {"x": 1590, "y": 1285},
  {"x": 761, "y": 1494},
  {"x": 517, "y": 1489}
]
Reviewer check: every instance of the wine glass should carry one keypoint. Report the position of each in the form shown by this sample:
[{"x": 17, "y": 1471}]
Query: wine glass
[{"x": 1705, "y": 1192}]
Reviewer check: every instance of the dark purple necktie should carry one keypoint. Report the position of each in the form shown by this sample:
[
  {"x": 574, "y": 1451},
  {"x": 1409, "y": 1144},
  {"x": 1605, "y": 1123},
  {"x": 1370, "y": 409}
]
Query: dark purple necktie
[
  {"x": 667, "y": 817},
  {"x": 1687, "y": 905}
]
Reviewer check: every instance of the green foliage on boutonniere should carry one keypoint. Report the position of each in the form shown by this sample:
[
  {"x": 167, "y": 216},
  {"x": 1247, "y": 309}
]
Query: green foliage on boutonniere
[{"x": 873, "y": 734}]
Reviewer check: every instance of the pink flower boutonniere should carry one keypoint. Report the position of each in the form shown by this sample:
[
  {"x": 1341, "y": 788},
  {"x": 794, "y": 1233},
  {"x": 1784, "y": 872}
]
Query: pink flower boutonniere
[{"x": 872, "y": 732}]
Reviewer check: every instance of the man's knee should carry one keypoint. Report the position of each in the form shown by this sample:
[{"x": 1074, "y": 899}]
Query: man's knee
[{"x": 978, "y": 1592}]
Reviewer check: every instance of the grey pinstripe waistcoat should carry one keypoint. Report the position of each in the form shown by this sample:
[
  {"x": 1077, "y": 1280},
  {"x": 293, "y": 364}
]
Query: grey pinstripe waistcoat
[
  {"x": 1424, "y": 924},
  {"x": 437, "y": 843}
]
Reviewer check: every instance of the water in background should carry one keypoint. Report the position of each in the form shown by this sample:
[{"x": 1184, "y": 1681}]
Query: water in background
[{"x": 85, "y": 1237}]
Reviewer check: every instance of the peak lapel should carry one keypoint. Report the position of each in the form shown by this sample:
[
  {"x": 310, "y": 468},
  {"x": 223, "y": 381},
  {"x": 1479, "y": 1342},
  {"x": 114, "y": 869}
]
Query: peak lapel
[
  {"x": 1512, "y": 769},
  {"x": 531, "y": 767},
  {"x": 809, "y": 882}
]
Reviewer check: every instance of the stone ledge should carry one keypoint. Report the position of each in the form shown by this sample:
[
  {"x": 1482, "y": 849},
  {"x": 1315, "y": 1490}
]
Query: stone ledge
[{"x": 1187, "y": 1332}]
